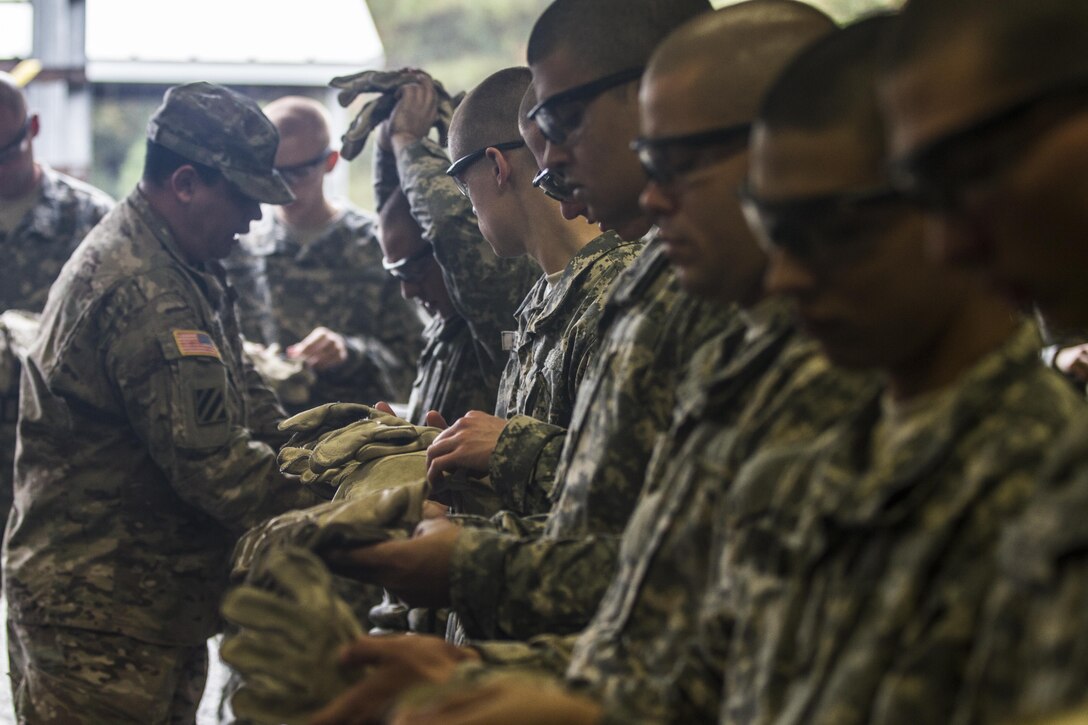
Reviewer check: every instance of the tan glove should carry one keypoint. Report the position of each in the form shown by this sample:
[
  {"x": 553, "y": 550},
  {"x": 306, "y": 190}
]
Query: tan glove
[
  {"x": 374, "y": 112},
  {"x": 377, "y": 515},
  {"x": 290, "y": 626}
]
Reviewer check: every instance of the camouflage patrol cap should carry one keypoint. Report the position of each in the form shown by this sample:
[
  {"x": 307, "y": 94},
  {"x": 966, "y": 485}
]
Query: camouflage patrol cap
[{"x": 221, "y": 128}]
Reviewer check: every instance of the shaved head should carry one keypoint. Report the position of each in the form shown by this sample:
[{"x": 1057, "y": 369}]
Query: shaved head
[
  {"x": 633, "y": 28},
  {"x": 489, "y": 113},
  {"x": 12, "y": 98},
  {"x": 301, "y": 117},
  {"x": 1030, "y": 44},
  {"x": 754, "y": 40}
]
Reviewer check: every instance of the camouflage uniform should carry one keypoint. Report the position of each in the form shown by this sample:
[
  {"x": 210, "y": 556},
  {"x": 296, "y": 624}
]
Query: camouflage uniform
[
  {"x": 505, "y": 584},
  {"x": 139, "y": 460},
  {"x": 555, "y": 344},
  {"x": 745, "y": 389},
  {"x": 34, "y": 252},
  {"x": 855, "y": 572},
  {"x": 286, "y": 289},
  {"x": 463, "y": 358},
  {"x": 1030, "y": 658}
]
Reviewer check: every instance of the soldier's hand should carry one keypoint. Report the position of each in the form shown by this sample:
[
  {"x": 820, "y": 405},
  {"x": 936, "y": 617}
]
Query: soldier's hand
[
  {"x": 417, "y": 570},
  {"x": 466, "y": 445},
  {"x": 415, "y": 112},
  {"x": 395, "y": 663},
  {"x": 322, "y": 349},
  {"x": 501, "y": 700}
]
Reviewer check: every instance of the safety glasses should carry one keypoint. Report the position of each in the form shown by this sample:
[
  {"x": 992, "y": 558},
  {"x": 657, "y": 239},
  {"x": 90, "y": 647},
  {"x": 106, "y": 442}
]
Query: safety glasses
[
  {"x": 411, "y": 269},
  {"x": 460, "y": 166},
  {"x": 667, "y": 158},
  {"x": 938, "y": 174},
  {"x": 559, "y": 115}
]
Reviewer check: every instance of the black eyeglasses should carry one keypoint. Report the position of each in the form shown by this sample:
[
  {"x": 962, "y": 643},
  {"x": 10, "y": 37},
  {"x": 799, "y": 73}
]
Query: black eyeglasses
[
  {"x": 410, "y": 269},
  {"x": 666, "y": 158},
  {"x": 460, "y": 166},
  {"x": 553, "y": 185},
  {"x": 297, "y": 172},
  {"x": 806, "y": 227},
  {"x": 938, "y": 174},
  {"x": 560, "y": 114},
  {"x": 16, "y": 146}
]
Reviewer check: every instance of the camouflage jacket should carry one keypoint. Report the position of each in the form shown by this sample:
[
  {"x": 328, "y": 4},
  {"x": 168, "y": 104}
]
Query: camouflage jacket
[
  {"x": 555, "y": 344},
  {"x": 774, "y": 389},
  {"x": 854, "y": 583},
  {"x": 1030, "y": 658},
  {"x": 34, "y": 252},
  {"x": 286, "y": 289},
  {"x": 513, "y": 586},
  {"x": 745, "y": 388},
  {"x": 463, "y": 358},
  {"x": 139, "y": 461}
]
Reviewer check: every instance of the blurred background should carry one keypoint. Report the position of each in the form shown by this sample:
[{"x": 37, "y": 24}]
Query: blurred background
[{"x": 98, "y": 68}]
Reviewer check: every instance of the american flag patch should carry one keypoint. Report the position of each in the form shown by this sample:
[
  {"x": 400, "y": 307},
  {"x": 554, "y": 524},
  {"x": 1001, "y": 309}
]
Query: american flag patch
[{"x": 195, "y": 342}]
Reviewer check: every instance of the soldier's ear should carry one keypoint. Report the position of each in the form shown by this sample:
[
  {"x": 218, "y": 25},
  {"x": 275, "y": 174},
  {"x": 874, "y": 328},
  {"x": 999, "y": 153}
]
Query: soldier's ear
[
  {"x": 35, "y": 126},
  {"x": 183, "y": 183},
  {"x": 500, "y": 166}
]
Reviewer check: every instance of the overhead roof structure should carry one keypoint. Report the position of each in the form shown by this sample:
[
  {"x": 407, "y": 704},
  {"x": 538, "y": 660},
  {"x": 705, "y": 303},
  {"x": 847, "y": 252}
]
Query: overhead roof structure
[{"x": 251, "y": 42}]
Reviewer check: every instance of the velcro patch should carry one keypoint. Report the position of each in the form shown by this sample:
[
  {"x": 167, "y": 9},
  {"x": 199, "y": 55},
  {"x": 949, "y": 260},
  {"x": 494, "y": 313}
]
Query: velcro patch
[
  {"x": 208, "y": 406},
  {"x": 195, "y": 342}
]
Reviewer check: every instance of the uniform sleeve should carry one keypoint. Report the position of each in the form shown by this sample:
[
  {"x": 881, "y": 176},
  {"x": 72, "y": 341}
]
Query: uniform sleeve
[
  {"x": 187, "y": 408},
  {"x": 510, "y": 587},
  {"x": 486, "y": 289},
  {"x": 549, "y": 653},
  {"x": 524, "y": 462},
  {"x": 386, "y": 177}
]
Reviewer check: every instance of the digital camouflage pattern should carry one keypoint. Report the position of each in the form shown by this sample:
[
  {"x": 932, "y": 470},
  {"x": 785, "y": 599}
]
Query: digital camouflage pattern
[
  {"x": 462, "y": 359},
  {"x": 760, "y": 388},
  {"x": 556, "y": 342},
  {"x": 1030, "y": 659},
  {"x": 286, "y": 289},
  {"x": 140, "y": 458},
  {"x": 745, "y": 388},
  {"x": 854, "y": 573},
  {"x": 34, "y": 253},
  {"x": 514, "y": 585}
]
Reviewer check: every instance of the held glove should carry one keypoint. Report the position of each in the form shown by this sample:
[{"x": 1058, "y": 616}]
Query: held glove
[
  {"x": 375, "y": 516},
  {"x": 374, "y": 112},
  {"x": 290, "y": 625}
]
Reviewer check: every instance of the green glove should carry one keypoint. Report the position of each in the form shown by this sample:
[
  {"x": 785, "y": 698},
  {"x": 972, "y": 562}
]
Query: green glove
[
  {"x": 290, "y": 625},
  {"x": 327, "y": 416},
  {"x": 397, "y": 471},
  {"x": 377, "y": 515},
  {"x": 368, "y": 439}
]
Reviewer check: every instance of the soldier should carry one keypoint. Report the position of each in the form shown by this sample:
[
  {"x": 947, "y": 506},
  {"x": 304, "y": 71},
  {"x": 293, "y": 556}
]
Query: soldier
[
  {"x": 557, "y": 333},
  {"x": 43, "y": 216},
  {"x": 747, "y": 387},
  {"x": 987, "y": 128},
  {"x": 141, "y": 453},
  {"x": 309, "y": 276},
  {"x": 855, "y": 568},
  {"x": 434, "y": 248}
]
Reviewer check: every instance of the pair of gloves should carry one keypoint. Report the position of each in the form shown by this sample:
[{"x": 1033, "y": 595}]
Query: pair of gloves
[
  {"x": 374, "y": 112},
  {"x": 346, "y": 449}
]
